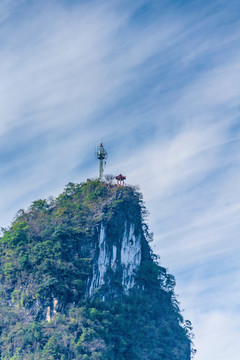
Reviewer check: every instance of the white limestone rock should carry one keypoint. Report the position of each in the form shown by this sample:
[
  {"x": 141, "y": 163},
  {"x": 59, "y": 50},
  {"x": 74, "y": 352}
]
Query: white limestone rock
[{"x": 126, "y": 257}]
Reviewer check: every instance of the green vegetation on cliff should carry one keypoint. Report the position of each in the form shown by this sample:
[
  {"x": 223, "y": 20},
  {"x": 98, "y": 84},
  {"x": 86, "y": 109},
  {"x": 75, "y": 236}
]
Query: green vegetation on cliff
[{"x": 46, "y": 261}]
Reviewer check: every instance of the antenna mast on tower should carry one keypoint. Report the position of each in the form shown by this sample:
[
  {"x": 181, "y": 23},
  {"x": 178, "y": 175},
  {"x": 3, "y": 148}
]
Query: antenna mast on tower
[{"x": 101, "y": 154}]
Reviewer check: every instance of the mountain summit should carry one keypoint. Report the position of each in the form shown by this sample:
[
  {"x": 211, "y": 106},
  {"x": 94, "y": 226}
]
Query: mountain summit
[{"x": 79, "y": 281}]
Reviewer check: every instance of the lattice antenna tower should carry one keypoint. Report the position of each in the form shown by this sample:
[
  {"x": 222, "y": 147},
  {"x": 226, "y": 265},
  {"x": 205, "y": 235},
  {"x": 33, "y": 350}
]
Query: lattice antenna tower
[{"x": 101, "y": 154}]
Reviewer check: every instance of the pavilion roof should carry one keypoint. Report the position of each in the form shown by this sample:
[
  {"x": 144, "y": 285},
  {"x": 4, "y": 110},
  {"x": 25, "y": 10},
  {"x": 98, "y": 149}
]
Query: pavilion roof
[{"x": 120, "y": 177}]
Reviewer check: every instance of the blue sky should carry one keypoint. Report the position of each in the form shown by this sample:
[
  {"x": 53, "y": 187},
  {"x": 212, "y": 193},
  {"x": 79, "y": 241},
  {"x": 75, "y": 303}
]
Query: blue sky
[{"x": 159, "y": 82}]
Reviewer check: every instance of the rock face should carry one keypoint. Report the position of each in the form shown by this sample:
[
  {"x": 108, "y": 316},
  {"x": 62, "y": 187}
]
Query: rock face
[{"x": 116, "y": 258}]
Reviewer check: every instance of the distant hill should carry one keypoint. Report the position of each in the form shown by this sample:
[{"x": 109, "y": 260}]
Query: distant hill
[{"x": 79, "y": 281}]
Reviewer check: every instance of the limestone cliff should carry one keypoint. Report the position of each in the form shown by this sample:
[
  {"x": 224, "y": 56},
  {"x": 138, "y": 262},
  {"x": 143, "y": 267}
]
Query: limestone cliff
[
  {"x": 82, "y": 262},
  {"x": 116, "y": 258}
]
